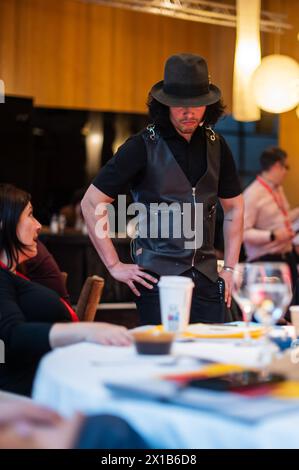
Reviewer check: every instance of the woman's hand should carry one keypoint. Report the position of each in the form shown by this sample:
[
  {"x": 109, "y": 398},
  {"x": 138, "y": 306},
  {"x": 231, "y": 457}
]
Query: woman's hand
[
  {"x": 12, "y": 411},
  {"x": 65, "y": 334},
  {"x": 25, "y": 425},
  {"x": 130, "y": 274},
  {"x": 108, "y": 334}
]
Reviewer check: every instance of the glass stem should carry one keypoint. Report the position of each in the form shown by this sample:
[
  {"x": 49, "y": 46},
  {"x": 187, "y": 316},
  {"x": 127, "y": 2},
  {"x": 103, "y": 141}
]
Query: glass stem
[{"x": 247, "y": 336}]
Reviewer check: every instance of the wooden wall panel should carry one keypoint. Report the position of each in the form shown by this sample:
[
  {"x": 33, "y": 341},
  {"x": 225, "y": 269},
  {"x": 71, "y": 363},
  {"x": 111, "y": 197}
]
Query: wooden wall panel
[
  {"x": 70, "y": 54},
  {"x": 221, "y": 54},
  {"x": 7, "y": 43},
  {"x": 289, "y": 123}
]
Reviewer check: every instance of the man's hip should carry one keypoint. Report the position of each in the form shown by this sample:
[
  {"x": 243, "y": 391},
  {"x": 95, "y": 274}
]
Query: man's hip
[{"x": 207, "y": 301}]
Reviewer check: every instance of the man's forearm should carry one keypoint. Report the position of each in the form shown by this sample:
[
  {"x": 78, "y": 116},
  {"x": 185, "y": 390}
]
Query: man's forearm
[
  {"x": 233, "y": 235},
  {"x": 256, "y": 236},
  {"x": 105, "y": 249},
  {"x": 102, "y": 242}
]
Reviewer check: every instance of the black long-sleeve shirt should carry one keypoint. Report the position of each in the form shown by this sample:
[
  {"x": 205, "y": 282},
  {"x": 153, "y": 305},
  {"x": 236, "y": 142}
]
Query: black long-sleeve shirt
[{"x": 27, "y": 312}]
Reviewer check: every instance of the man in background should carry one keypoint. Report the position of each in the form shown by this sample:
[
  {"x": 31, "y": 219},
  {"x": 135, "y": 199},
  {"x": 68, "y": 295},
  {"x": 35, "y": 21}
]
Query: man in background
[{"x": 268, "y": 232}]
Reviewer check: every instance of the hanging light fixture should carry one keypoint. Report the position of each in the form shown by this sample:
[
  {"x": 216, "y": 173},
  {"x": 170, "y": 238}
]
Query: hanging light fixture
[
  {"x": 275, "y": 83},
  {"x": 2, "y": 92},
  {"x": 247, "y": 59}
]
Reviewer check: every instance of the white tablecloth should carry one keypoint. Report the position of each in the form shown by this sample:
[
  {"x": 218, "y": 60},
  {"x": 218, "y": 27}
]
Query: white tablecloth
[{"x": 71, "y": 379}]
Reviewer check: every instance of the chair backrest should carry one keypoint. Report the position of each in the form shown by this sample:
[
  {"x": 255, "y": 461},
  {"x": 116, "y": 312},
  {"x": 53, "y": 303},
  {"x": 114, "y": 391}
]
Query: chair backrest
[
  {"x": 89, "y": 298},
  {"x": 64, "y": 276}
]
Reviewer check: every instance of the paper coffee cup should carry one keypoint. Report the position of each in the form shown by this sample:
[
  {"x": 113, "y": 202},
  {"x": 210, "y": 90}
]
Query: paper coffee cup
[
  {"x": 294, "y": 309},
  {"x": 175, "y": 301}
]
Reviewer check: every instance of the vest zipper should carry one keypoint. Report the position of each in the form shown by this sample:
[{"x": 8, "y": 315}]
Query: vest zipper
[{"x": 194, "y": 202}]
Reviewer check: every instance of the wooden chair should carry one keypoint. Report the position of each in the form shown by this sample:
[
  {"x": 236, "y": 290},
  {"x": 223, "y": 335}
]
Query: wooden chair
[
  {"x": 64, "y": 276},
  {"x": 89, "y": 298}
]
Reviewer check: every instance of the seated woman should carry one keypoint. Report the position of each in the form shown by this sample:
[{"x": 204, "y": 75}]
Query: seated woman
[{"x": 33, "y": 318}]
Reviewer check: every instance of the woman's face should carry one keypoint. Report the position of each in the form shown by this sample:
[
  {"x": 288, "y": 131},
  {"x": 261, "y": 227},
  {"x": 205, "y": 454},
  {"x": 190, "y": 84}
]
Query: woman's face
[{"x": 27, "y": 232}]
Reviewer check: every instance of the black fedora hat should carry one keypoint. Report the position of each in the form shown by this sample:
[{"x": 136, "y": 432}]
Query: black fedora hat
[{"x": 186, "y": 83}]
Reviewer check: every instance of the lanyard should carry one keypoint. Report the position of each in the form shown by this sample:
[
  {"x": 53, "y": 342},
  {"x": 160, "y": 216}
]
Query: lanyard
[{"x": 278, "y": 200}]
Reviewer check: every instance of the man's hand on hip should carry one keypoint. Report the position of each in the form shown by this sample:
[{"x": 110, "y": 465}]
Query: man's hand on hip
[
  {"x": 227, "y": 276},
  {"x": 131, "y": 273}
]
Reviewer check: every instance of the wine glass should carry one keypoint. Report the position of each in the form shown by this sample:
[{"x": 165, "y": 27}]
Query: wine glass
[
  {"x": 240, "y": 291},
  {"x": 270, "y": 292}
]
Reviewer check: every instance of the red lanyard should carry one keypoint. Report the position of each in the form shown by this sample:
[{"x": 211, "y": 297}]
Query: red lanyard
[{"x": 278, "y": 200}]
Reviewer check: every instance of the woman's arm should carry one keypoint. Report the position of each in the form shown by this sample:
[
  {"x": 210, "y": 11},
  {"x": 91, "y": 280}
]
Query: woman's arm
[{"x": 64, "y": 334}]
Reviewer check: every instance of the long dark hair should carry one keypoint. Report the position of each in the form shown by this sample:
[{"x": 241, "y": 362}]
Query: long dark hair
[
  {"x": 12, "y": 203},
  {"x": 159, "y": 113}
]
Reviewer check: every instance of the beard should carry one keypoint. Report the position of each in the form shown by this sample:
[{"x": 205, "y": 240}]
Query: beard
[{"x": 188, "y": 129}]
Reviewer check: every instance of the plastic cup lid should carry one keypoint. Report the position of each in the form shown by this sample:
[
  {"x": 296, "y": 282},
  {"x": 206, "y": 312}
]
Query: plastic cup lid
[{"x": 175, "y": 281}]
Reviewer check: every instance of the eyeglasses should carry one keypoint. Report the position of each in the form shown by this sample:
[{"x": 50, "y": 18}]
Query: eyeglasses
[{"x": 285, "y": 166}]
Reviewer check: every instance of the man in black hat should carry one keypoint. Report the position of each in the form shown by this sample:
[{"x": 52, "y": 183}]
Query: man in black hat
[{"x": 178, "y": 159}]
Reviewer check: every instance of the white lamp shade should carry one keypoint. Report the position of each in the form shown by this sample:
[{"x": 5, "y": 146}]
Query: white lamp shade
[
  {"x": 247, "y": 58},
  {"x": 275, "y": 83}
]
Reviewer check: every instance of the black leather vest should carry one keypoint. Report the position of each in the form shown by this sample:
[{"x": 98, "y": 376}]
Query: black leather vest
[{"x": 165, "y": 182}]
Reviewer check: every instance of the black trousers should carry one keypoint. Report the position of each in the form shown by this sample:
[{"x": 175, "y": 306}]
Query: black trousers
[
  {"x": 288, "y": 258},
  {"x": 207, "y": 301}
]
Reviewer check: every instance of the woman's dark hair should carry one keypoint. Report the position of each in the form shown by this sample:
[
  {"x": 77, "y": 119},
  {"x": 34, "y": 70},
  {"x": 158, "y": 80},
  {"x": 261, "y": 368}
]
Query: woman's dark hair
[
  {"x": 159, "y": 113},
  {"x": 12, "y": 203}
]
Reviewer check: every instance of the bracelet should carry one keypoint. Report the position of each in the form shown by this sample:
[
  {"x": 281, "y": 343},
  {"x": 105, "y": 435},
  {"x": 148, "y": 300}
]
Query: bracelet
[
  {"x": 110, "y": 266},
  {"x": 228, "y": 268}
]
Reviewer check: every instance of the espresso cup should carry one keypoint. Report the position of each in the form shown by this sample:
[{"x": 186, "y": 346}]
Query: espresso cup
[{"x": 153, "y": 342}]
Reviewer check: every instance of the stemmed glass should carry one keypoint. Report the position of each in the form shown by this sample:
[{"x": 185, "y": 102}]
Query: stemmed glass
[
  {"x": 270, "y": 293},
  {"x": 240, "y": 291}
]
